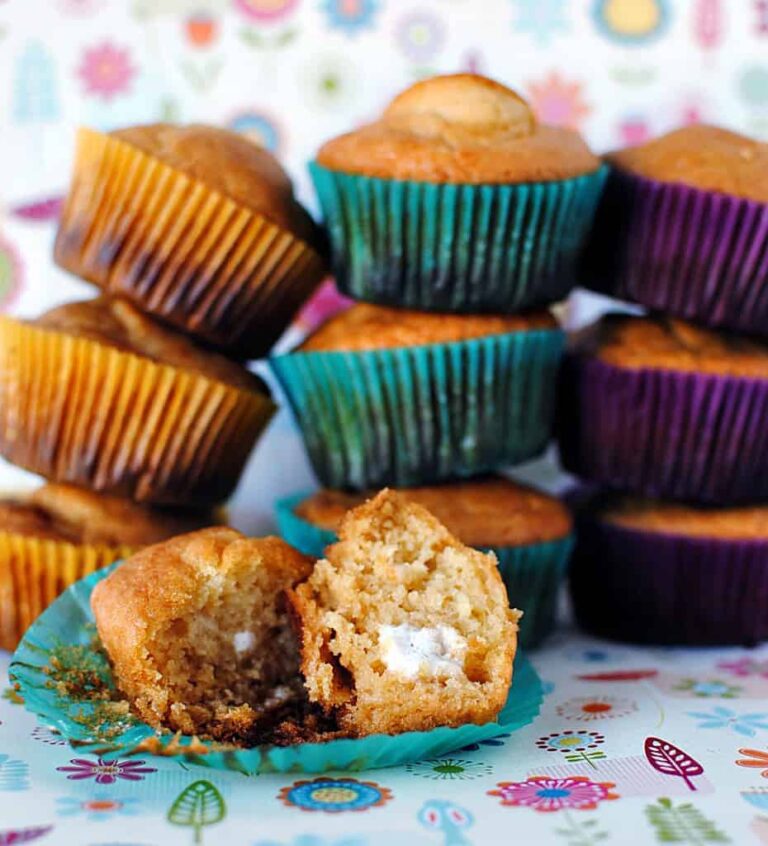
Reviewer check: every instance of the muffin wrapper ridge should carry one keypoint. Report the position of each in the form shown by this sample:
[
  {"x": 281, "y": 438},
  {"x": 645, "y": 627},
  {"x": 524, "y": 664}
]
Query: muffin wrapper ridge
[
  {"x": 415, "y": 415},
  {"x": 76, "y": 410},
  {"x": 180, "y": 250},
  {"x": 450, "y": 247},
  {"x": 69, "y": 621},
  {"x": 649, "y": 587},
  {"x": 663, "y": 433},
  {"x": 696, "y": 254},
  {"x": 532, "y": 573},
  {"x": 34, "y": 571}
]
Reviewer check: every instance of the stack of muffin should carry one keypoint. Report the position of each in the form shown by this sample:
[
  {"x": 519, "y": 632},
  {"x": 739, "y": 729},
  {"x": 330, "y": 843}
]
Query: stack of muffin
[
  {"x": 451, "y": 217},
  {"x": 666, "y": 417},
  {"x": 137, "y": 405}
]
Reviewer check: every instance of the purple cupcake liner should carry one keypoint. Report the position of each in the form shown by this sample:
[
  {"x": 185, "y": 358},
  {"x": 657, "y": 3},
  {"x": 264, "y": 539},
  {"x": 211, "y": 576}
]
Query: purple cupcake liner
[
  {"x": 646, "y": 587},
  {"x": 696, "y": 254},
  {"x": 663, "y": 433}
]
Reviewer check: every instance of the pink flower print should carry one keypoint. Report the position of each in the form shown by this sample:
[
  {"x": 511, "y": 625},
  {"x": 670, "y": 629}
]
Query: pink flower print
[
  {"x": 106, "y": 772},
  {"x": 559, "y": 101},
  {"x": 106, "y": 71},
  {"x": 744, "y": 667},
  {"x": 546, "y": 794}
]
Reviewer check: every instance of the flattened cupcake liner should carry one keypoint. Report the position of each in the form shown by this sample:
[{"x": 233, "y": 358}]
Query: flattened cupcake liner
[
  {"x": 34, "y": 571},
  {"x": 532, "y": 573},
  {"x": 59, "y": 648},
  {"x": 696, "y": 254},
  {"x": 450, "y": 247},
  {"x": 649, "y": 587},
  {"x": 415, "y": 415},
  {"x": 181, "y": 250},
  {"x": 76, "y": 410},
  {"x": 663, "y": 433}
]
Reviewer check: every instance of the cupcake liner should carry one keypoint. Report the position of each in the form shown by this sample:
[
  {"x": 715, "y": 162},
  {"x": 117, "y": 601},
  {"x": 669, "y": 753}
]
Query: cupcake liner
[
  {"x": 59, "y": 648},
  {"x": 532, "y": 573},
  {"x": 181, "y": 250},
  {"x": 79, "y": 411},
  {"x": 697, "y": 254},
  {"x": 648, "y": 587},
  {"x": 663, "y": 433},
  {"x": 34, "y": 571},
  {"x": 416, "y": 415},
  {"x": 450, "y": 247}
]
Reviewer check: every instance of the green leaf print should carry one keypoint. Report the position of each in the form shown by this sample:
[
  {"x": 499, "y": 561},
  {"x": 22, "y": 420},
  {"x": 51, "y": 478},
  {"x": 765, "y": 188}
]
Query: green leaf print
[
  {"x": 198, "y": 805},
  {"x": 682, "y": 824}
]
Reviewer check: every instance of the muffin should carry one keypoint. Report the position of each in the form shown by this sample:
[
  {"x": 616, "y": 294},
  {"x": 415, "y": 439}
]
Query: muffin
[
  {"x": 402, "y": 627},
  {"x": 660, "y": 408},
  {"x": 195, "y": 225},
  {"x": 387, "y": 396},
  {"x": 58, "y": 534},
  {"x": 198, "y": 635},
  {"x": 658, "y": 572},
  {"x": 528, "y": 532},
  {"x": 96, "y": 394},
  {"x": 683, "y": 228},
  {"x": 457, "y": 199}
]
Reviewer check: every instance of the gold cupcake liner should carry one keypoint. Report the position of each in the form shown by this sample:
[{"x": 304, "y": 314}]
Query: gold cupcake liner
[
  {"x": 77, "y": 410},
  {"x": 34, "y": 571},
  {"x": 181, "y": 250}
]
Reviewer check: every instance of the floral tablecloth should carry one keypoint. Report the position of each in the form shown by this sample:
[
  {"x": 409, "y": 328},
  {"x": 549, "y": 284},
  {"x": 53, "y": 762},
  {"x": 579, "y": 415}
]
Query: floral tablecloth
[{"x": 632, "y": 746}]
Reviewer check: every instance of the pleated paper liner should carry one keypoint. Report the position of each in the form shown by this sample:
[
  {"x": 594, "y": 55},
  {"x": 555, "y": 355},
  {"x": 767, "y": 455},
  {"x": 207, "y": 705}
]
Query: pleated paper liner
[
  {"x": 646, "y": 587},
  {"x": 77, "y": 410},
  {"x": 181, "y": 250},
  {"x": 59, "y": 649},
  {"x": 692, "y": 253},
  {"x": 451, "y": 247},
  {"x": 34, "y": 571},
  {"x": 415, "y": 415},
  {"x": 664, "y": 433},
  {"x": 532, "y": 572}
]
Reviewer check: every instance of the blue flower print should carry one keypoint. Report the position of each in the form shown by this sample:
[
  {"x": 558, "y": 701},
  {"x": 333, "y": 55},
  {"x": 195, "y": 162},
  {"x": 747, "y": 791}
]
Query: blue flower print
[{"x": 719, "y": 717}]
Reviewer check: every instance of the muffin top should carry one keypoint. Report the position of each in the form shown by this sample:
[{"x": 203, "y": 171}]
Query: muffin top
[
  {"x": 120, "y": 324},
  {"x": 646, "y": 515},
  {"x": 231, "y": 164},
  {"x": 76, "y": 515},
  {"x": 491, "y": 511},
  {"x": 459, "y": 128},
  {"x": 662, "y": 343},
  {"x": 705, "y": 157},
  {"x": 370, "y": 327}
]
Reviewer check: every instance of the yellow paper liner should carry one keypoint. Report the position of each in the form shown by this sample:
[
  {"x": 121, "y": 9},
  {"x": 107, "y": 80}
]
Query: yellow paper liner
[
  {"x": 181, "y": 250},
  {"x": 33, "y": 572},
  {"x": 77, "y": 410}
]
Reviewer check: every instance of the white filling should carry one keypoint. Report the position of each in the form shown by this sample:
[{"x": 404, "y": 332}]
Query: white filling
[
  {"x": 244, "y": 642},
  {"x": 410, "y": 651}
]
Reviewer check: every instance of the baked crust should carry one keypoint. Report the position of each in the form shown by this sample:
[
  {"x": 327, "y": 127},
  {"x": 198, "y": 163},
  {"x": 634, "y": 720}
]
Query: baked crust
[
  {"x": 461, "y": 128},
  {"x": 370, "y": 327},
  {"x": 705, "y": 157}
]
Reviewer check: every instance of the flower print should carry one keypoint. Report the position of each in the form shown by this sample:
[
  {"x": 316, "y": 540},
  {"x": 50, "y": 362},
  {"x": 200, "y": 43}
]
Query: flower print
[
  {"x": 541, "y": 19},
  {"x": 106, "y": 71},
  {"x": 756, "y": 758},
  {"x": 756, "y": 796},
  {"x": 48, "y": 736},
  {"x": 590, "y": 708},
  {"x": 558, "y": 101},
  {"x": 546, "y": 794},
  {"x": 719, "y": 717},
  {"x": 420, "y": 35},
  {"x": 265, "y": 11},
  {"x": 709, "y": 688},
  {"x": 106, "y": 772},
  {"x": 201, "y": 29},
  {"x": 744, "y": 667},
  {"x": 449, "y": 769},
  {"x": 96, "y": 809},
  {"x": 350, "y": 15},
  {"x": 259, "y": 127},
  {"x": 334, "y": 795},
  {"x": 575, "y": 745}
]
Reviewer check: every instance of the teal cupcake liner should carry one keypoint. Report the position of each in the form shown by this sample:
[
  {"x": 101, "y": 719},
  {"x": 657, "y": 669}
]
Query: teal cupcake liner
[
  {"x": 58, "y": 661},
  {"x": 416, "y": 415},
  {"x": 453, "y": 247},
  {"x": 532, "y": 573}
]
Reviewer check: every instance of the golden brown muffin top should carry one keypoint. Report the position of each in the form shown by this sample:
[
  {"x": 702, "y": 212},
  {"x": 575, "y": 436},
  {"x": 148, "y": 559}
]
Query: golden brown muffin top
[
  {"x": 662, "y": 343},
  {"x": 76, "y": 515},
  {"x": 740, "y": 523},
  {"x": 459, "y": 128},
  {"x": 370, "y": 327},
  {"x": 492, "y": 511},
  {"x": 120, "y": 324},
  {"x": 705, "y": 157},
  {"x": 229, "y": 163}
]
